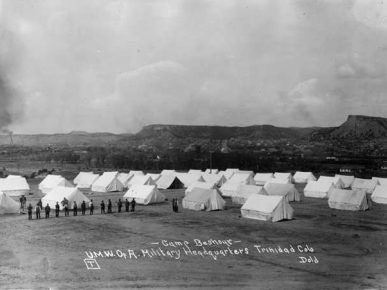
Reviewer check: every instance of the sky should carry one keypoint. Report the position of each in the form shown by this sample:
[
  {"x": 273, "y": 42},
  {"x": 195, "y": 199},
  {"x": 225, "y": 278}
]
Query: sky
[{"x": 115, "y": 66}]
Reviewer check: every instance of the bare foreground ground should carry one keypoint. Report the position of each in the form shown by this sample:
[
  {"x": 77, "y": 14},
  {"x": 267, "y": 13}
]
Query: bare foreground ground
[{"x": 350, "y": 248}]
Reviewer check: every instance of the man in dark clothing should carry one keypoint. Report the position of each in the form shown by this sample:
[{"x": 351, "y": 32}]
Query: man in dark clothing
[
  {"x": 29, "y": 209},
  {"x": 75, "y": 209},
  {"x": 57, "y": 209},
  {"x": 119, "y": 205},
  {"x": 37, "y": 212},
  {"x": 65, "y": 204},
  {"x": 91, "y": 206},
  {"x": 40, "y": 204},
  {"x": 47, "y": 209},
  {"x": 83, "y": 207},
  {"x": 126, "y": 205},
  {"x": 176, "y": 206},
  {"x": 109, "y": 206},
  {"x": 102, "y": 207},
  {"x": 133, "y": 204}
]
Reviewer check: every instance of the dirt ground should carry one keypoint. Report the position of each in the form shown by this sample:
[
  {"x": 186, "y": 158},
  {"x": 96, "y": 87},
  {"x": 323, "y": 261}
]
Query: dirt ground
[{"x": 347, "y": 250}]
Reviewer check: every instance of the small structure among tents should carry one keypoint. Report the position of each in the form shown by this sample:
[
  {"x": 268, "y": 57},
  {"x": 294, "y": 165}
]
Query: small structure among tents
[
  {"x": 272, "y": 208},
  {"x": 346, "y": 179},
  {"x": 364, "y": 184},
  {"x": 318, "y": 189},
  {"x": 144, "y": 194},
  {"x": 348, "y": 199},
  {"x": 203, "y": 199},
  {"x": 141, "y": 180},
  {"x": 262, "y": 178},
  {"x": 169, "y": 182},
  {"x": 14, "y": 185},
  {"x": 52, "y": 181},
  {"x": 84, "y": 180},
  {"x": 108, "y": 182},
  {"x": 337, "y": 182},
  {"x": 244, "y": 191},
  {"x": 59, "y": 193},
  {"x": 8, "y": 205},
  {"x": 303, "y": 177},
  {"x": 288, "y": 190},
  {"x": 380, "y": 194}
]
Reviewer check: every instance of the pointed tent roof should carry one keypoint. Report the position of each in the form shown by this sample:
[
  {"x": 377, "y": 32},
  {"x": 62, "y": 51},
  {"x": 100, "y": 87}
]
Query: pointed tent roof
[
  {"x": 212, "y": 171},
  {"x": 218, "y": 179},
  {"x": 338, "y": 183},
  {"x": 267, "y": 208},
  {"x": 107, "y": 182},
  {"x": 262, "y": 178},
  {"x": 278, "y": 180},
  {"x": 367, "y": 184},
  {"x": 203, "y": 199},
  {"x": 141, "y": 180},
  {"x": 303, "y": 177},
  {"x": 283, "y": 175},
  {"x": 52, "y": 181},
  {"x": 200, "y": 184},
  {"x": 187, "y": 178},
  {"x": 380, "y": 194},
  {"x": 14, "y": 185},
  {"x": 8, "y": 205},
  {"x": 380, "y": 180},
  {"x": 144, "y": 194},
  {"x": 348, "y": 199},
  {"x": 288, "y": 190},
  {"x": 168, "y": 172},
  {"x": 124, "y": 178},
  {"x": 244, "y": 191},
  {"x": 195, "y": 171},
  {"x": 231, "y": 186},
  {"x": 318, "y": 189},
  {"x": 229, "y": 172},
  {"x": 60, "y": 192},
  {"x": 169, "y": 182},
  {"x": 154, "y": 176},
  {"x": 346, "y": 179},
  {"x": 85, "y": 179}
]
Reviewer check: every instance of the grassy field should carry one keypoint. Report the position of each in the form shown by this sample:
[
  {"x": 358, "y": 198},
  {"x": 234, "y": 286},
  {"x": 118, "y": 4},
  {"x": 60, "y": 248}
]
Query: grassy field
[{"x": 350, "y": 248}]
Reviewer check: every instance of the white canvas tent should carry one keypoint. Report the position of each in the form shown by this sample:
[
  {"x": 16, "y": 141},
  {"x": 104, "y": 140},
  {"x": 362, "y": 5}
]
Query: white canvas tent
[
  {"x": 52, "y": 181},
  {"x": 229, "y": 172},
  {"x": 203, "y": 199},
  {"x": 124, "y": 178},
  {"x": 144, "y": 194},
  {"x": 289, "y": 191},
  {"x": 284, "y": 175},
  {"x": 168, "y": 172},
  {"x": 169, "y": 182},
  {"x": 8, "y": 205},
  {"x": 346, "y": 179},
  {"x": 154, "y": 176},
  {"x": 14, "y": 185},
  {"x": 364, "y": 184},
  {"x": 272, "y": 208},
  {"x": 195, "y": 171},
  {"x": 348, "y": 199},
  {"x": 337, "y": 182},
  {"x": 318, "y": 189},
  {"x": 60, "y": 192},
  {"x": 244, "y": 191},
  {"x": 212, "y": 171},
  {"x": 85, "y": 180},
  {"x": 380, "y": 194},
  {"x": 380, "y": 180},
  {"x": 231, "y": 186},
  {"x": 303, "y": 177},
  {"x": 108, "y": 182},
  {"x": 262, "y": 178},
  {"x": 278, "y": 180},
  {"x": 218, "y": 179},
  {"x": 141, "y": 180},
  {"x": 187, "y": 178},
  {"x": 200, "y": 184},
  {"x": 135, "y": 172}
]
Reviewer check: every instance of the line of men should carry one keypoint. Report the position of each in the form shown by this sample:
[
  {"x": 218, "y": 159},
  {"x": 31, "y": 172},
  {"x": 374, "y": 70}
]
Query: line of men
[{"x": 65, "y": 204}]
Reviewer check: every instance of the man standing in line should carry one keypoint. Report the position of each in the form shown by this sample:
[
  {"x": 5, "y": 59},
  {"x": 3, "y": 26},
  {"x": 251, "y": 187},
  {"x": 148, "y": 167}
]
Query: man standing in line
[
  {"x": 83, "y": 207},
  {"x": 37, "y": 211},
  {"x": 109, "y": 206},
  {"x": 57, "y": 209},
  {"x": 47, "y": 209},
  {"x": 75, "y": 209},
  {"x": 91, "y": 206},
  {"x": 29, "y": 209},
  {"x": 119, "y": 205},
  {"x": 126, "y": 205},
  {"x": 133, "y": 204},
  {"x": 102, "y": 207}
]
